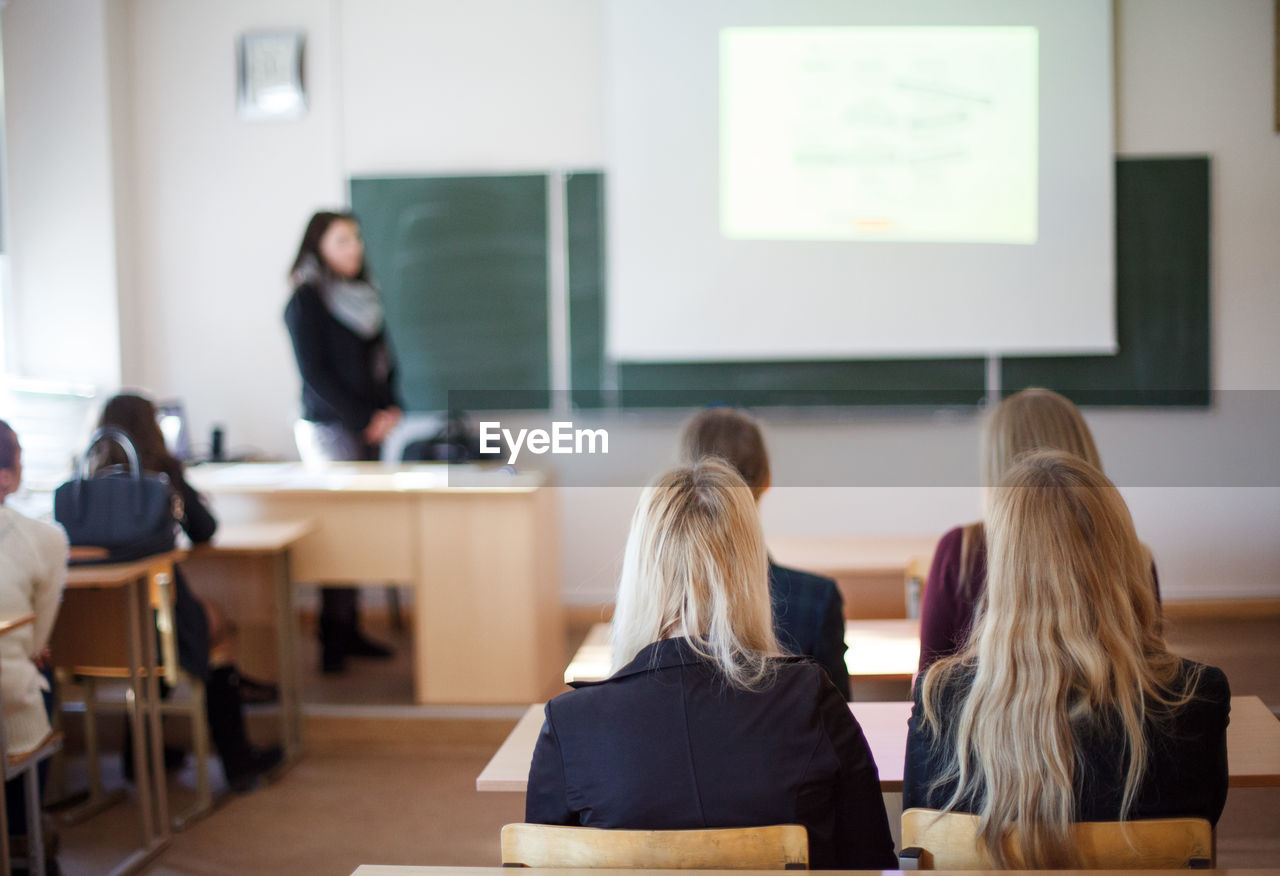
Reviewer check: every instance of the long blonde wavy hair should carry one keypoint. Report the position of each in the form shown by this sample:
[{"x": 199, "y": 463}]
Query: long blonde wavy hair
[
  {"x": 1068, "y": 641},
  {"x": 695, "y": 566}
]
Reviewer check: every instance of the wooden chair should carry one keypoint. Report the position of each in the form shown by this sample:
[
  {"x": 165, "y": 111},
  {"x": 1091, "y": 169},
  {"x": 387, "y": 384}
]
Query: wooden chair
[
  {"x": 775, "y": 847},
  {"x": 191, "y": 705},
  {"x": 949, "y": 841},
  {"x": 26, "y": 765}
]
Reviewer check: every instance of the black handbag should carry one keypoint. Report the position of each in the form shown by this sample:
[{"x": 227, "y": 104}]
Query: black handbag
[{"x": 128, "y": 512}]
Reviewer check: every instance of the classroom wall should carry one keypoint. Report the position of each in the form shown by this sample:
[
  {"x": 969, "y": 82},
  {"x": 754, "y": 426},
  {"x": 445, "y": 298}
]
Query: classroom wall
[
  {"x": 61, "y": 314},
  {"x": 218, "y": 204}
]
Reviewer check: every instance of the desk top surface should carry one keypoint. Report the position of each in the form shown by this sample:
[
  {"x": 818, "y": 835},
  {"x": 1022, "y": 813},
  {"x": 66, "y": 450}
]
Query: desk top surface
[
  {"x": 356, "y": 478},
  {"x": 384, "y": 870},
  {"x": 116, "y": 574},
  {"x": 867, "y": 555},
  {"x": 12, "y": 621},
  {"x": 1253, "y": 746},
  {"x": 254, "y": 538},
  {"x": 887, "y": 649}
]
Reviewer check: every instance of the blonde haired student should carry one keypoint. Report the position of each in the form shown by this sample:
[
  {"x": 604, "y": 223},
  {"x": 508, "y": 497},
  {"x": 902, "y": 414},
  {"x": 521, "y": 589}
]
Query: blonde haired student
[
  {"x": 704, "y": 723},
  {"x": 808, "y": 610},
  {"x": 1065, "y": 705},
  {"x": 1030, "y": 420}
]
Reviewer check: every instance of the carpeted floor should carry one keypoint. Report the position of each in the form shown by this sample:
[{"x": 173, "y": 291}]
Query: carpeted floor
[{"x": 402, "y": 791}]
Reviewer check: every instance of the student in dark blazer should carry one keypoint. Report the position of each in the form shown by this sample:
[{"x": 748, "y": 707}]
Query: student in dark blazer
[
  {"x": 808, "y": 610},
  {"x": 1065, "y": 704},
  {"x": 704, "y": 722}
]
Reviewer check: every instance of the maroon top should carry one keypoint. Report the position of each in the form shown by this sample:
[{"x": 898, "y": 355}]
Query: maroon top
[{"x": 946, "y": 612}]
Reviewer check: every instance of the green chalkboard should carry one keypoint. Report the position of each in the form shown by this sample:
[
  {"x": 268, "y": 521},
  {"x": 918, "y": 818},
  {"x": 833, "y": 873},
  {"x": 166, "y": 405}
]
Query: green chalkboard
[
  {"x": 1162, "y": 297},
  {"x": 584, "y": 210},
  {"x": 462, "y": 264}
]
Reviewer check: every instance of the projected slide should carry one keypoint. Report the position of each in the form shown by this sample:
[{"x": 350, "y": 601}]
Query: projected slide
[{"x": 922, "y": 134}]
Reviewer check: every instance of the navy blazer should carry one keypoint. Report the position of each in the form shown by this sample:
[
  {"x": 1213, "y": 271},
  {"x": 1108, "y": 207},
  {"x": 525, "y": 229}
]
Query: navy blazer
[
  {"x": 1186, "y": 773},
  {"x": 808, "y": 617},
  {"x": 666, "y": 744}
]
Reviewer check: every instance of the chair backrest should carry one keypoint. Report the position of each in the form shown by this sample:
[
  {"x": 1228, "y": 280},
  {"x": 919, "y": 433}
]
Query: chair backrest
[
  {"x": 775, "y": 847},
  {"x": 949, "y": 841}
]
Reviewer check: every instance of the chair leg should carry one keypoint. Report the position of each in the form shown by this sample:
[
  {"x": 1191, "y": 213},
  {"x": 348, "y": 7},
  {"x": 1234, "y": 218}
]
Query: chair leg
[
  {"x": 98, "y": 798},
  {"x": 58, "y": 763},
  {"x": 91, "y": 739},
  {"x": 35, "y": 841},
  {"x": 195, "y": 711},
  {"x": 393, "y": 608}
]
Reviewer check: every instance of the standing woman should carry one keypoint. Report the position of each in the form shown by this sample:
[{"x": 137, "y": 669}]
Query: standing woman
[{"x": 349, "y": 400}]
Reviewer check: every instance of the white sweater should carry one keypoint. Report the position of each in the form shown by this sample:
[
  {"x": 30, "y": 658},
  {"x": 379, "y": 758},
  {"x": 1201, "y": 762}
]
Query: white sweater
[{"x": 33, "y": 571}]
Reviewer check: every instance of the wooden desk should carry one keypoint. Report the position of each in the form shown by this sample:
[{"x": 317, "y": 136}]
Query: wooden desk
[
  {"x": 1253, "y": 746},
  {"x": 8, "y": 623},
  {"x": 401, "y": 870},
  {"x": 246, "y": 569},
  {"x": 480, "y": 549},
  {"x": 882, "y": 649},
  {"x": 99, "y": 603},
  {"x": 871, "y": 571}
]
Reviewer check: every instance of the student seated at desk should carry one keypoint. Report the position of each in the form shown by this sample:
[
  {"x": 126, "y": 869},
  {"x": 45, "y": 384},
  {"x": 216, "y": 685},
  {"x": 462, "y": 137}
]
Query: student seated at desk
[
  {"x": 704, "y": 722},
  {"x": 1030, "y": 420},
  {"x": 808, "y": 610},
  {"x": 203, "y": 634},
  {"x": 33, "y": 572},
  {"x": 1065, "y": 705}
]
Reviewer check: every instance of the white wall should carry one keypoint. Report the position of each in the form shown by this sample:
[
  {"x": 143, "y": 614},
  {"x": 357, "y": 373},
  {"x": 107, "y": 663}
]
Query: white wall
[
  {"x": 398, "y": 86},
  {"x": 61, "y": 316},
  {"x": 220, "y": 206}
]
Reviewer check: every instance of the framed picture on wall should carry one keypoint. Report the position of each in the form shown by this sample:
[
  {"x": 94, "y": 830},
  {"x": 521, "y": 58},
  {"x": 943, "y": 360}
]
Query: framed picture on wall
[{"x": 270, "y": 75}]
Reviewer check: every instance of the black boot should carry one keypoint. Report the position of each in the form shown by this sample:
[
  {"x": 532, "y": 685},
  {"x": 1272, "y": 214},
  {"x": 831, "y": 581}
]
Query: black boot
[
  {"x": 362, "y": 646},
  {"x": 337, "y": 627},
  {"x": 243, "y": 764}
]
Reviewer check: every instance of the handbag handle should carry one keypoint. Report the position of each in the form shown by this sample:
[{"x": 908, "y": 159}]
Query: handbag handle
[{"x": 122, "y": 439}]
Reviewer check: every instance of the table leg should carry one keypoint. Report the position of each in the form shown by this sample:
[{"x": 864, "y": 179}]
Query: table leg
[
  {"x": 287, "y": 656},
  {"x": 4, "y": 814},
  {"x": 136, "y": 704},
  {"x": 152, "y": 711}
]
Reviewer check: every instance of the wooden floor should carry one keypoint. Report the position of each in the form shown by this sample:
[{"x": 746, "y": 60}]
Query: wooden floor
[{"x": 392, "y": 784}]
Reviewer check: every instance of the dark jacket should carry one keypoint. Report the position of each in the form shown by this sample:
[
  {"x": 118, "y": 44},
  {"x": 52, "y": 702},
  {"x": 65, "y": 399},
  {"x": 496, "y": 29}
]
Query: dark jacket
[
  {"x": 191, "y": 623},
  {"x": 666, "y": 744},
  {"x": 808, "y": 616},
  {"x": 340, "y": 380},
  {"x": 1186, "y": 766},
  {"x": 947, "y": 609}
]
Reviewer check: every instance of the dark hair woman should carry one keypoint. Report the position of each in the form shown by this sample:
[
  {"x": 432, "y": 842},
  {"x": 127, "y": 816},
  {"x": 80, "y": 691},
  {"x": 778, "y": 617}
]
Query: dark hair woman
[
  {"x": 349, "y": 400},
  {"x": 202, "y": 633}
]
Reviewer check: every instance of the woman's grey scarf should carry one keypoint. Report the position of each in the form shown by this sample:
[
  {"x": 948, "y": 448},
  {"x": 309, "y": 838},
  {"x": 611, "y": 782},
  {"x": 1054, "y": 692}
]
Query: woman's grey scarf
[{"x": 354, "y": 303}]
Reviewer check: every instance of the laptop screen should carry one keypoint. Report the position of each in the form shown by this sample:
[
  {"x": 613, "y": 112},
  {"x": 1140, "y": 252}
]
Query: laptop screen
[{"x": 173, "y": 424}]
